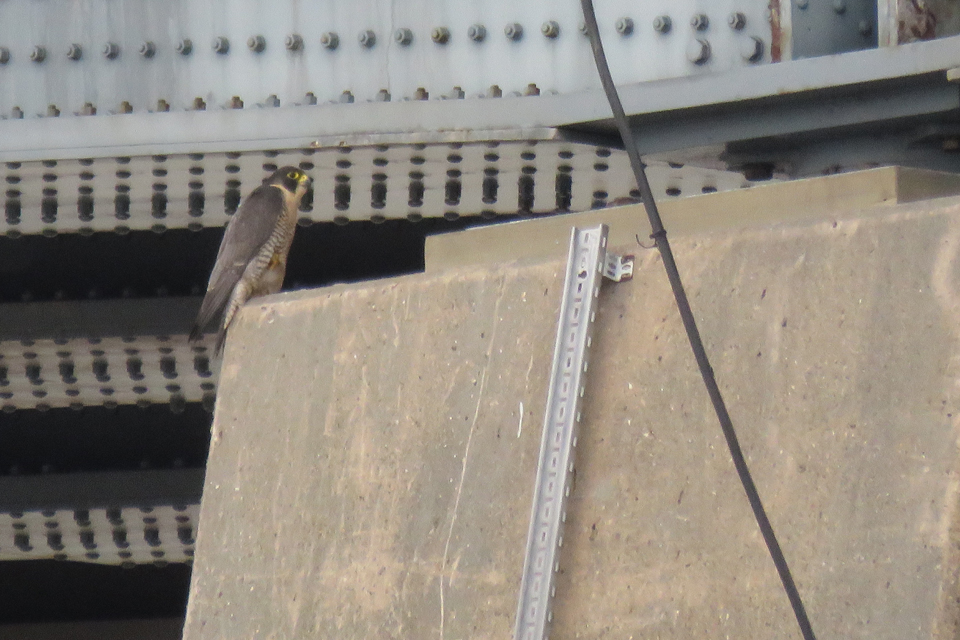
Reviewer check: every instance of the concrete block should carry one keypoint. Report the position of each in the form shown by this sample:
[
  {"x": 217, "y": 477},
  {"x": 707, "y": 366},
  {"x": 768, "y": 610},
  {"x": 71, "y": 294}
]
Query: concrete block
[{"x": 375, "y": 446}]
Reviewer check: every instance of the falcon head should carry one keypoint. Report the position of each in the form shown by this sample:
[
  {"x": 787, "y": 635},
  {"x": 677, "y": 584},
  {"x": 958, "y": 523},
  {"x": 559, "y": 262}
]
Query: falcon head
[{"x": 290, "y": 179}]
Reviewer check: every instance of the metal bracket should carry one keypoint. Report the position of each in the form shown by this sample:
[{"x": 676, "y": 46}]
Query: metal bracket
[
  {"x": 618, "y": 268},
  {"x": 588, "y": 262}
]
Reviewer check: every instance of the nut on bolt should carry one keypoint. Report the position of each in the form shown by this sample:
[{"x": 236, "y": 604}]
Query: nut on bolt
[
  {"x": 39, "y": 54},
  {"x": 74, "y": 52},
  {"x": 700, "y": 22},
  {"x": 111, "y": 50},
  {"x": 256, "y": 44},
  {"x": 4, "y": 55},
  {"x": 148, "y": 49},
  {"x": 440, "y": 35},
  {"x": 477, "y": 32},
  {"x": 185, "y": 47},
  {"x": 751, "y": 49},
  {"x": 698, "y": 51},
  {"x": 221, "y": 45},
  {"x": 550, "y": 29},
  {"x": 330, "y": 40},
  {"x": 293, "y": 42},
  {"x": 624, "y": 26},
  {"x": 513, "y": 31},
  {"x": 367, "y": 38},
  {"x": 737, "y": 20},
  {"x": 662, "y": 24},
  {"x": 403, "y": 36}
]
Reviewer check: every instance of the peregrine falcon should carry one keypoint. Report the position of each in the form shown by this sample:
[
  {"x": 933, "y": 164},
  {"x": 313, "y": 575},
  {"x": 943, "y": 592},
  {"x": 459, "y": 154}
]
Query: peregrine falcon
[{"x": 253, "y": 253}]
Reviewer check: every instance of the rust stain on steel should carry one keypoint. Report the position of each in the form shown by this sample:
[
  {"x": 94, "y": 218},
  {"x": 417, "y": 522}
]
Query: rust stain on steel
[
  {"x": 776, "y": 32},
  {"x": 916, "y": 20}
]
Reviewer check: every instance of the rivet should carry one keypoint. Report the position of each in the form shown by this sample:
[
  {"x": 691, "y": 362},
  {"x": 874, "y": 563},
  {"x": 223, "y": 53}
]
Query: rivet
[
  {"x": 550, "y": 29},
  {"x": 367, "y": 38},
  {"x": 75, "y": 52},
  {"x": 840, "y": 6},
  {"x": 199, "y": 104},
  {"x": 256, "y": 44},
  {"x": 494, "y": 91},
  {"x": 39, "y": 54},
  {"x": 751, "y": 49},
  {"x": 346, "y": 97},
  {"x": 88, "y": 109},
  {"x": 531, "y": 90},
  {"x": 737, "y": 21},
  {"x": 310, "y": 98},
  {"x": 330, "y": 40},
  {"x": 52, "y": 111},
  {"x": 235, "y": 103},
  {"x": 382, "y": 96},
  {"x": 185, "y": 47},
  {"x": 293, "y": 42},
  {"x": 662, "y": 24},
  {"x": 700, "y": 22},
  {"x": 148, "y": 49},
  {"x": 421, "y": 94},
  {"x": 865, "y": 28},
  {"x": 111, "y": 50},
  {"x": 477, "y": 32},
  {"x": 456, "y": 94},
  {"x": 624, "y": 26},
  {"x": 163, "y": 105},
  {"x": 221, "y": 45},
  {"x": 4, "y": 55},
  {"x": 802, "y": 4},
  {"x": 403, "y": 36},
  {"x": 125, "y": 107},
  {"x": 16, "y": 113},
  {"x": 513, "y": 31},
  {"x": 440, "y": 35},
  {"x": 698, "y": 51},
  {"x": 272, "y": 101}
]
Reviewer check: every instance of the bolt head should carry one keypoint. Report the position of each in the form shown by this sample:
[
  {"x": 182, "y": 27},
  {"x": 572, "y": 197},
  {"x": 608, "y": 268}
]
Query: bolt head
[
  {"x": 111, "y": 50},
  {"x": 330, "y": 40},
  {"x": 840, "y": 6},
  {"x": 367, "y": 38},
  {"x": 4, "y": 55},
  {"x": 550, "y": 29},
  {"x": 751, "y": 49},
  {"x": 221, "y": 45},
  {"x": 148, "y": 49},
  {"x": 75, "y": 52},
  {"x": 737, "y": 21},
  {"x": 700, "y": 22},
  {"x": 662, "y": 24},
  {"x": 440, "y": 35},
  {"x": 39, "y": 54},
  {"x": 802, "y": 4},
  {"x": 865, "y": 28},
  {"x": 624, "y": 26},
  {"x": 293, "y": 42},
  {"x": 513, "y": 31},
  {"x": 477, "y": 32},
  {"x": 698, "y": 51},
  {"x": 185, "y": 47},
  {"x": 256, "y": 43},
  {"x": 403, "y": 37}
]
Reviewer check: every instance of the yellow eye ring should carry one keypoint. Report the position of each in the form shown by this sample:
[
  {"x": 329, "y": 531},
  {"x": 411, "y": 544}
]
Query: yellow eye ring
[{"x": 294, "y": 175}]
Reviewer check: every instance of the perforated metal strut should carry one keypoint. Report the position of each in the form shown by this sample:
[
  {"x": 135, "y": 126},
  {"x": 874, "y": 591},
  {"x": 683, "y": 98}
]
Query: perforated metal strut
[{"x": 587, "y": 264}]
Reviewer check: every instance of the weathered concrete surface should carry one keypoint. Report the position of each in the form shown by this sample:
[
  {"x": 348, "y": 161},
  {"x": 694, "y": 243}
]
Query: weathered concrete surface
[{"x": 375, "y": 447}]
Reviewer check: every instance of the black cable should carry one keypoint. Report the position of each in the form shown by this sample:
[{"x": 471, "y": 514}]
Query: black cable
[{"x": 659, "y": 236}]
